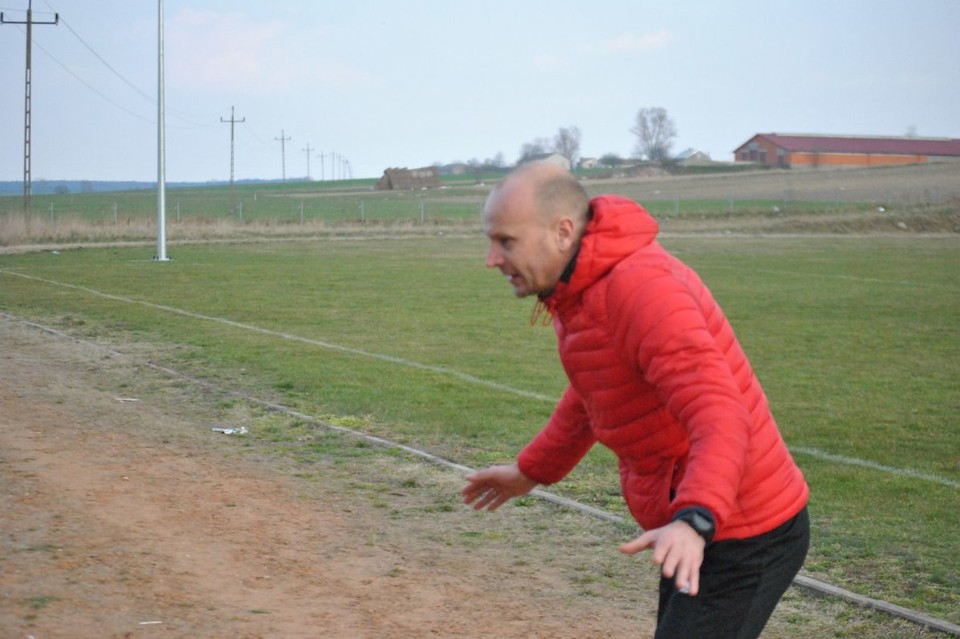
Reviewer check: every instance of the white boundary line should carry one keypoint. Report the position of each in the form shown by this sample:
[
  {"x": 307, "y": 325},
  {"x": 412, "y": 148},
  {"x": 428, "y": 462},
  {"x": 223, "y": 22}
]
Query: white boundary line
[
  {"x": 465, "y": 377},
  {"x": 440, "y": 370},
  {"x": 893, "y": 470}
]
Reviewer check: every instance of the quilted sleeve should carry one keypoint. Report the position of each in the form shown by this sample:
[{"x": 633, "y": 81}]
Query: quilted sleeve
[
  {"x": 562, "y": 443},
  {"x": 672, "y": 332}
]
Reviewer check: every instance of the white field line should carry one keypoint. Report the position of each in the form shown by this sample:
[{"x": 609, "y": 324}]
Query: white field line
[
  {"x": 892, "y": 470},
  {"x": 439, "y": 370},
  {"x": 465, "y": 377}
]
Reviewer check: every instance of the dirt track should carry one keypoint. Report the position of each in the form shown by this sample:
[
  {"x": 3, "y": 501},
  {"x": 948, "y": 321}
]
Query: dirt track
[{"x": 126, "y": 519}]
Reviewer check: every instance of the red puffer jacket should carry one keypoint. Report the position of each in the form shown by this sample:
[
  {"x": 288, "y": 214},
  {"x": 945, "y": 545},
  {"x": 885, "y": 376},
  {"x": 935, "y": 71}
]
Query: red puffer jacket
[{"x": 657, "y": 375}]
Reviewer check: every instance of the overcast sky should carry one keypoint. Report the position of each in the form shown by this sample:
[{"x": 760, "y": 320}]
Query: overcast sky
[{"x": 409, "y": 83}]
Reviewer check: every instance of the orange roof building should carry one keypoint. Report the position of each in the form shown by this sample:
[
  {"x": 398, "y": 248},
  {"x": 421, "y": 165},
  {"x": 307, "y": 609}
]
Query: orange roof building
[{"x": 811, "y": 151}]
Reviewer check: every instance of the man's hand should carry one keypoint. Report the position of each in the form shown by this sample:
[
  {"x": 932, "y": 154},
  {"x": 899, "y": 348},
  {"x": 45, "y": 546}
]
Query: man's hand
[
  {"x": 493, "y": 487},
  {"x": 677, "y": 549}
]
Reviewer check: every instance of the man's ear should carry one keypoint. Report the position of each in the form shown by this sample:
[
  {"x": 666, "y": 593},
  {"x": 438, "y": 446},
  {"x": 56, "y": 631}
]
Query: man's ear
[{"x": 566, "y": 233}]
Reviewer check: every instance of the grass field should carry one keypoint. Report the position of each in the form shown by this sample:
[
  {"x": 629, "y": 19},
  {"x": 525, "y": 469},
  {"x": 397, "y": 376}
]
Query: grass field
[
  {"x": 857, "y": 340},
  {"x": 373, "y": 309}
]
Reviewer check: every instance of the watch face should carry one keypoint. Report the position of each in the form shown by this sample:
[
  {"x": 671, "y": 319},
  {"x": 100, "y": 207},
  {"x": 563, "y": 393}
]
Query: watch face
[{"x": 701, "y": 524}]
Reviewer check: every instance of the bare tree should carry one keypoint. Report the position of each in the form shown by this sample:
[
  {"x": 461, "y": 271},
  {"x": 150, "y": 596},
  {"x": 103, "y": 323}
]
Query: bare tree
[
  {"x": 655, "y": 132},
  {"x": 567, "y": 143},
  {"x": 540, "y": 146}
]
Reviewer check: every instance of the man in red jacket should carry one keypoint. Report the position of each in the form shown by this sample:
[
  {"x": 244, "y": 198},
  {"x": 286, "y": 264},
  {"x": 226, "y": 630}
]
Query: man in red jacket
[{"x": 657, "y": 375}]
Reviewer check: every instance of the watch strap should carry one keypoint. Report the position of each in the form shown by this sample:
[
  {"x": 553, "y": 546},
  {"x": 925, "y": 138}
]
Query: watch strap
[{"x": 700, "y": 519}]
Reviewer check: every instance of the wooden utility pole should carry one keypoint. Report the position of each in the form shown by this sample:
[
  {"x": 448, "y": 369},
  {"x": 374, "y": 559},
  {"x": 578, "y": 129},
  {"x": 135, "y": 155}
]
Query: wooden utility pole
[
  {"x": 29, "y": 22},
  {"x": 232, "y": 122},
  {"x": 307, "y": 151},
  {"x": 283, "y": 153}
]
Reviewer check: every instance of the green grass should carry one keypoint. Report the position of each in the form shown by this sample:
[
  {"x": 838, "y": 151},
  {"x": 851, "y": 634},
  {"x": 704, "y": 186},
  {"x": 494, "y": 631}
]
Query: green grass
[
  {"x": 40, "y": 602},
  {"x": 704, "y": 208},
  {"x": 856, "y": 339},
  {"x": 354, "y": 202},
  {"x": 329, "y": 202}
]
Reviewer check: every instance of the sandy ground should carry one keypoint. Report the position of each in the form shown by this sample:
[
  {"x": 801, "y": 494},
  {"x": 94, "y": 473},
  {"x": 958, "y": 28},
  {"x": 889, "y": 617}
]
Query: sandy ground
[{"x": 126, "y": 519}]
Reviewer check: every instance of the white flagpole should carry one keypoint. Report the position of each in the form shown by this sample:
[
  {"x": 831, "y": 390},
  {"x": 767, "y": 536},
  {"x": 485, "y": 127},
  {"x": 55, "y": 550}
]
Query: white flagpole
[{"x": 161, "y": 149}]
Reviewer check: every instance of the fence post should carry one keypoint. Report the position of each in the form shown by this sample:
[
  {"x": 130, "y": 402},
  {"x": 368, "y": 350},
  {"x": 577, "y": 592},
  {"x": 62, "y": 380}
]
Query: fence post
[
  {"x": 421, "y": 211},
  {"x": 301, "y": 211},
  {"x": 362, "y": 216}
]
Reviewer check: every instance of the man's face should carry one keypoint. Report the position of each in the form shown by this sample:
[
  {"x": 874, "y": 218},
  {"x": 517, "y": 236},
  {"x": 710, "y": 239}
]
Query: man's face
[{"x": 525, "y": 249}]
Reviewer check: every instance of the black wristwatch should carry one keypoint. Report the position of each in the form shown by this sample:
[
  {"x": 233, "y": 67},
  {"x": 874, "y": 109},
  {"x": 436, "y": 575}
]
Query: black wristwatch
[{"x": 700, "y": 519}]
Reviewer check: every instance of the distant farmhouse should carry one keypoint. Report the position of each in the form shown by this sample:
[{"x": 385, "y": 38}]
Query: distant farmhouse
[
  {"x": 811, "y": 151},
  {"x": 406, "y": 179},
  {"x": 553, "y": 158},
  {"x": 692, "y": 157}
]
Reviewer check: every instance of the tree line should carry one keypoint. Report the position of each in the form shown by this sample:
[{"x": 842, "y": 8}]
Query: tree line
[{"x": 653, "y": 128}]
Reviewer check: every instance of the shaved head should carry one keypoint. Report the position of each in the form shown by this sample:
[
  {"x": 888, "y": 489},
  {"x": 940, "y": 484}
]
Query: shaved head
[
  {"x": 550, "y": 191},
  {"x": 535, "y": 219}
]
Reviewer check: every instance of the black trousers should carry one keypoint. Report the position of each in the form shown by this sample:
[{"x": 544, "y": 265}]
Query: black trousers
[{"x": 741, "y": 582}]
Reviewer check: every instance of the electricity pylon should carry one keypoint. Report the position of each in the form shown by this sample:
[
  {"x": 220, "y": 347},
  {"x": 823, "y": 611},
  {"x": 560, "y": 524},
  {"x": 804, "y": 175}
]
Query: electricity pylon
[
  {"x": 233, "y": 121},
  {"x": 29, "y": 22}
]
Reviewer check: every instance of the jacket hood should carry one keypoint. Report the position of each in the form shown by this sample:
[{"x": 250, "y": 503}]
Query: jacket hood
[{"x": 618, "y": 227}]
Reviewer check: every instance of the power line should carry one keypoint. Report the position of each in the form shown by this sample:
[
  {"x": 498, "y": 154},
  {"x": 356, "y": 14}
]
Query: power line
[
  {"x": 106, "y": 98},
  {"x": 90, "y": 86},
  {"x": 103, "y": 61},
  {"x": 45, "y": 13},
  {"x": 179, "y": 114}
]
